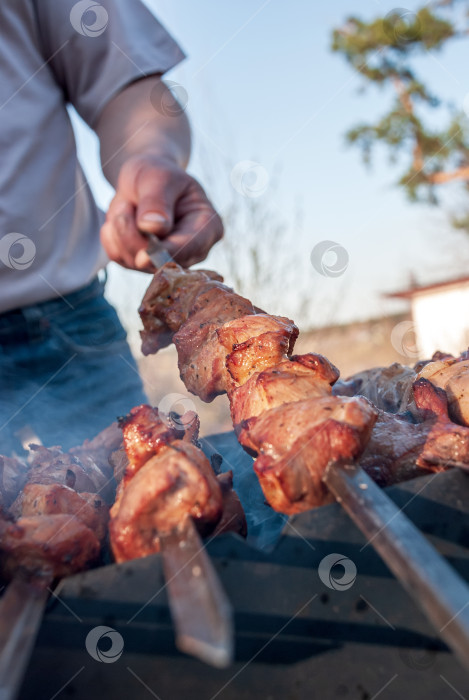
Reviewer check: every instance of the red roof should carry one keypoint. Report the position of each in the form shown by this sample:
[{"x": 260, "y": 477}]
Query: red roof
[{"x": 414, "y": 291}]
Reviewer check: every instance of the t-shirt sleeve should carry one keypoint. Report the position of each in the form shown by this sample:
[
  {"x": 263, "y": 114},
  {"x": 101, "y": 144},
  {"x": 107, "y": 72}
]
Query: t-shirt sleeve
[{"x": 96, "y": 49}]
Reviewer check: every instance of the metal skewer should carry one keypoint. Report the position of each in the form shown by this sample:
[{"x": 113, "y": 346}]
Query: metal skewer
[
  {"x": 427, "y": 577},
  {"x": 21, "y": 610},
  {"x": 201, "y": 611},
  {"x": 157, "y": 252}
]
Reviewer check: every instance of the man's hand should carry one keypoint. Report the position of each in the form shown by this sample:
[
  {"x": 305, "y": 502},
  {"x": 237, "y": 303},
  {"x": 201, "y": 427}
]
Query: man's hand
[{"x": 156, "y": 196}]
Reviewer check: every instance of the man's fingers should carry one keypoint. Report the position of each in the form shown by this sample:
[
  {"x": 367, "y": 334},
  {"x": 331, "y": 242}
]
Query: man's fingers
[
  {"x": 140, "y": 261},
  {"x": 143, "y": 262},
  {"x": 157, "y": 192},
  {"x": 156, "y": 196},
  {"x": 151, "y": 221},
  {"x": 125, "y": 227},
  {"x": 110, "y": 243},
  {"x": 119, "y": 235},
  {"x": 193, "y": 236},
  {"x": 198, "y": 227}
]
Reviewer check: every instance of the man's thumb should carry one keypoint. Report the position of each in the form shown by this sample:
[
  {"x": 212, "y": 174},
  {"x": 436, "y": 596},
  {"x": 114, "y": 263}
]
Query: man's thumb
[{"x": 152, "y": 218}]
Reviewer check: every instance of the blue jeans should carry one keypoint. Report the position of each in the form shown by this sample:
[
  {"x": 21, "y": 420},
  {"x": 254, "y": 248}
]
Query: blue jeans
[{"x": 65, "y": 369}]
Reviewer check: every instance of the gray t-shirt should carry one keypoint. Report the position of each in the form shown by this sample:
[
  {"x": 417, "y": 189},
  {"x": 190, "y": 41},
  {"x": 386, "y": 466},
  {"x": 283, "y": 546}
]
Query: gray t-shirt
[{"x": 54, "y": 53}]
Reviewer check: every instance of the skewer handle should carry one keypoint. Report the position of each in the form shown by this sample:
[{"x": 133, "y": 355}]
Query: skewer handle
[
  {"x": 430, "y": 581},
  {"x": 157, "y": 253},
  {"x": 201, "y": 611},
  {"x": 21, "y": 610}
]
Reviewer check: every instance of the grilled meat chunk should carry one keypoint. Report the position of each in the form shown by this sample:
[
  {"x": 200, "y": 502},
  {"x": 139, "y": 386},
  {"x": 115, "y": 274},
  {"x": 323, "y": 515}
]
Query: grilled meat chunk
[
  {"x": 52, "y": 466},
  {"x": 251, "y": 342},
  {"x": 256, "y": 343},
  {"x": 429, "y": 400},
  {"x": 276, "y": 430},
  {"x": 55, "y": 544},
  {"x": 294, "y": 379},
  {"x": 296, "y": 441},
  {"x": 388, "y": 388},
  {"x": 55, "y": 499},
  {"x": 176, "y": 482},
  {"x": 100, "y": 448},
  {"x": 399, "y": 450},
  {"x": 146, "y": 431},
  {"x": 168, "y": 300},
  {"x": 396, "y": 448},
  {"x": 452, "y": 375},
  {"x": 446, "y": 445},
  {"x": 201, "y": 356}
]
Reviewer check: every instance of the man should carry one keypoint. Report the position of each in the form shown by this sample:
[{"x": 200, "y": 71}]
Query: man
[{"x": 65, "y": 368}]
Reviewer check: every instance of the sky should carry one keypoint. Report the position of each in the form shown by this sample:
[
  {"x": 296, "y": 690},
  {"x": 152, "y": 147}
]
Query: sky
[{"x": 263, "y": 86}]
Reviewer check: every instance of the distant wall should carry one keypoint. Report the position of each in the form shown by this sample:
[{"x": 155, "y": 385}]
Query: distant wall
[
  {"x": 441, "y": 318},
  {"x": 357, "y": 346}
]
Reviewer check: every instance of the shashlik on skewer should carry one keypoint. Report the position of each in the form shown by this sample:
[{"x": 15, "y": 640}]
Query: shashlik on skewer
[
  {"x": 57, "y": 499},
  {"x": 58, "y": 519},
  {"x": 50, "y": 545},
  {"x": 452, "y": 375},
  {"x": 283, "y": 408},
  {"x": 167, "y": 478},
  {"x": 55, "y": 515},
  {"x": 58, "y": 532},
  {"x": 295, "y": 427},
  {"x": 390, "y": 388},
  {"x": 166, "y": 486},
  {"x": 428, "y": 430}
]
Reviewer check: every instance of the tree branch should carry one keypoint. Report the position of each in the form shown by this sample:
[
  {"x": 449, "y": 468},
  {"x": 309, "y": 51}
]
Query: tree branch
[
  {"x": 442, "y": 177},
  {"x": 406, "y": 101}
]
